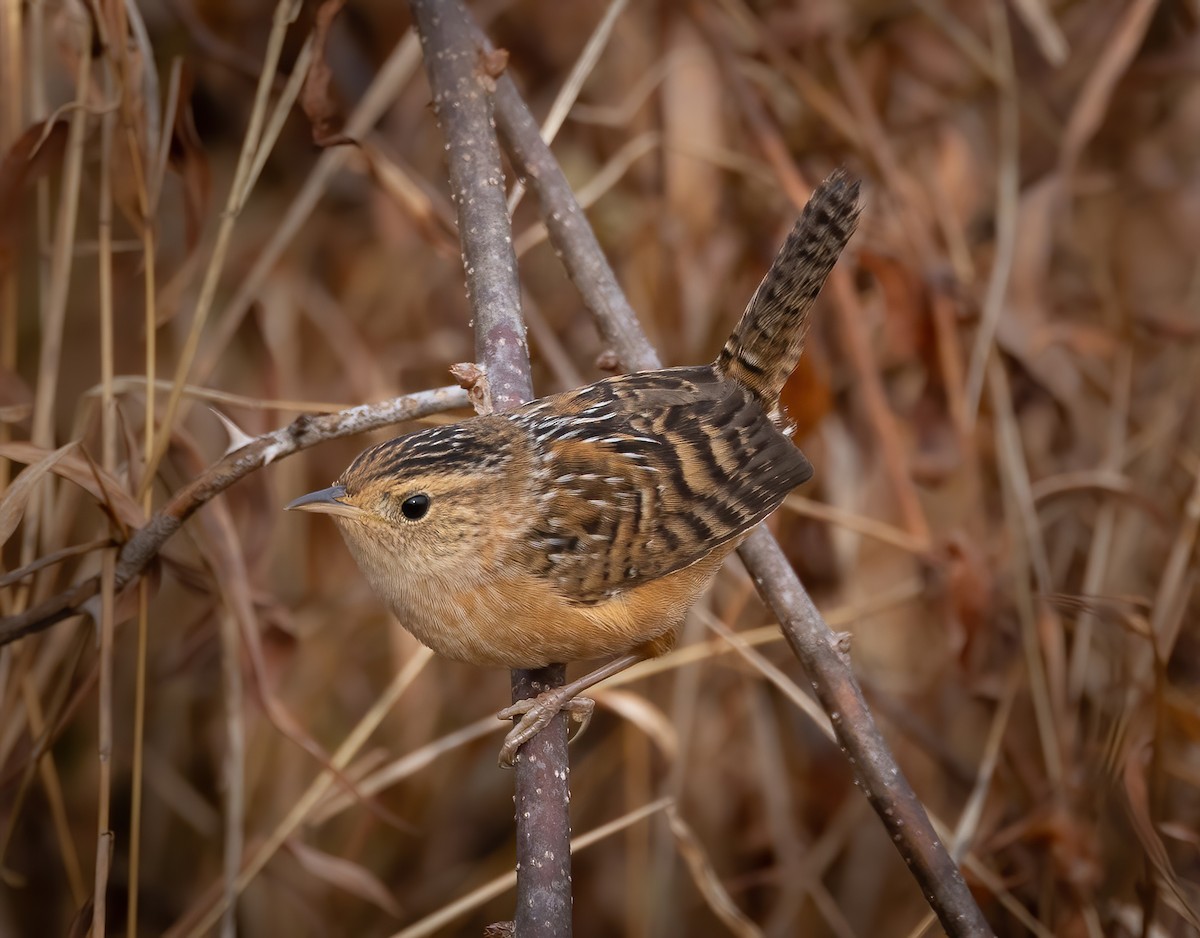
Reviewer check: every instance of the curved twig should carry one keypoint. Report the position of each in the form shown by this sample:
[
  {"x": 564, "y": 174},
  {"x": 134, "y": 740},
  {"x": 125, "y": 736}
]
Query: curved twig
[{"x": 301, "y": 433}]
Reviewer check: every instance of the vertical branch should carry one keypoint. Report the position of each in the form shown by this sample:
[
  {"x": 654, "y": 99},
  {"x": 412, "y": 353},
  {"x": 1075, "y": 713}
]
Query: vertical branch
[
  {"x": 462, "y": 75},
  {"x": 108, "y": 432},
  {"x": 12, "y": 114}
]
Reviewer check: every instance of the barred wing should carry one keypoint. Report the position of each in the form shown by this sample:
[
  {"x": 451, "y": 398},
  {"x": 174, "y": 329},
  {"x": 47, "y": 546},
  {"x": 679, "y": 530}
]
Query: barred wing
[{"x": 645, "y": 474}]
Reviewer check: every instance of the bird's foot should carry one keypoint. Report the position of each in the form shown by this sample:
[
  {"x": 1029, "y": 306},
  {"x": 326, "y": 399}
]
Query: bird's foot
[{"x": 536, "y": 714}]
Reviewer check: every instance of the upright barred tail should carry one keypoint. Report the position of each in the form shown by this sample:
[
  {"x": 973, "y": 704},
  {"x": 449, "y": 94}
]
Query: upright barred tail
[{"x": 766, "y": 344}]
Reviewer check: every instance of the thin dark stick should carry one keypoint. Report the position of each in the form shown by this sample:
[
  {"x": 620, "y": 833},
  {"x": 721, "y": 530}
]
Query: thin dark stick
[
  {"x": 809, "y": 636},
  {"x": 301, "y": 433},
  {"x": 462, "y": 75}
]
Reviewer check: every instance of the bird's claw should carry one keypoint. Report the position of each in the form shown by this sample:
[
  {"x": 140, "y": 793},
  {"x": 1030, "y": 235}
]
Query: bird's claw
[{"x": 536, "y": 714}]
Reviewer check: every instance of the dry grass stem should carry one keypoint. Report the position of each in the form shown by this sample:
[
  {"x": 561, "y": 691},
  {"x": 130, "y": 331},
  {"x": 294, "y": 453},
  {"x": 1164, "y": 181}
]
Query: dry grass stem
[
  {"x": 253, "y": 865},
  {"x": 568, "y": 94},
  {"x": 501, "y": 884}
]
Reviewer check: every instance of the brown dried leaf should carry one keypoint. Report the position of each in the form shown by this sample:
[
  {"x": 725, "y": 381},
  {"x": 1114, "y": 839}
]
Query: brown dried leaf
[
  {"x": 188, "y": 159},
  {"x": 33, "y": 154},
  {"x": 906, "y": 330},
  {"x": 473, "y": 379},
  {"x": 319, "y": 98},
  {"x": 76, "y": 468},
  {"x": 346, "y": 875},
  {"x": 969, "y": 585},
  {"x": 12, "y": 505},
  {"x": 807, "y": 396},
  {"x": 1024, "y": 331}
]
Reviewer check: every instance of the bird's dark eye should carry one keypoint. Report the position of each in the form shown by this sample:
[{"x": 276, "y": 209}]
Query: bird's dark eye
[{"x": 414, "y": 507}]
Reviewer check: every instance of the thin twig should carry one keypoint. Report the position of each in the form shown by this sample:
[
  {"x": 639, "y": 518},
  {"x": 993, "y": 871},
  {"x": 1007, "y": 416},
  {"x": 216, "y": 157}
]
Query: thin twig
[
  {"x": 108, "y": 433},
  {"x": 570, "y": 233},
  {"x": 1008, "y": 185},
  {"x": 301, "y": 433},
  {"x": 436, "y": 922},
  {"x": 255, "y": 138},
  {"x": 462, "y": 74},
  {"x": 1100, "y": 551},
  {"x": 884, "y": 784},
  {"x": 52, "y": 558},
  {"x": 198, "y": 922},
  {"x": 391, "y": 79},
  {"x": 569, "y": 92},
  {"x": 234, "y": 768}
]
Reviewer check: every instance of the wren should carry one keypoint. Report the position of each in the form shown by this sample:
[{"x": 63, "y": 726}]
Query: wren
[{"x": 585, "y": 524}]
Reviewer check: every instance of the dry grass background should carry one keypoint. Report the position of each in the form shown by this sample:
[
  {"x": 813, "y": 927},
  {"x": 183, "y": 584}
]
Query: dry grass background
[{"x": 1000, "y": 398}]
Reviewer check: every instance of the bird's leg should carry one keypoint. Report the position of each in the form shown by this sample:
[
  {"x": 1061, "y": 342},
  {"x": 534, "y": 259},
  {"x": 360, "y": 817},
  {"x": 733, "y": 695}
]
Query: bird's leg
[{"x": 537, "y": 712}]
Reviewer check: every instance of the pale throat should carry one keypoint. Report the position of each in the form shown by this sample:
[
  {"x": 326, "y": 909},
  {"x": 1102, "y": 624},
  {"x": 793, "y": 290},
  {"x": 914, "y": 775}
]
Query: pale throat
[{"x": 411, "y": 583}]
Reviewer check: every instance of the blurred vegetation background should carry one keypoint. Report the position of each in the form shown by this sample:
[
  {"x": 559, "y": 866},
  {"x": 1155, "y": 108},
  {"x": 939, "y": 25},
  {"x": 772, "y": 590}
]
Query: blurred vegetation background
[{"x": 1000, "y": 398}]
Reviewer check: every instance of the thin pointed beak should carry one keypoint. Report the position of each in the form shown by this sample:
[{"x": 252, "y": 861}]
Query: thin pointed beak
[{"x": 327, "y": 501}]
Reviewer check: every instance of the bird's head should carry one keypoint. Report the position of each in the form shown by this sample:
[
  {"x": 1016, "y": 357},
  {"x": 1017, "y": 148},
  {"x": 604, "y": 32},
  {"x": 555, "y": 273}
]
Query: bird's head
[{"x": 438, "y": 504}]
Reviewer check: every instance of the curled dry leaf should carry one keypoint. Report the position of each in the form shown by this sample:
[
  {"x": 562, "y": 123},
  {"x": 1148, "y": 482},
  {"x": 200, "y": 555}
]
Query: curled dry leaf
[
  {"x": 473, "y": 379},
  {"x": 319, "y": 97},
  {"x": 493, "y": 62},
  {"x": 74, "y": 467},
  {"x": 12, "y": 505}
]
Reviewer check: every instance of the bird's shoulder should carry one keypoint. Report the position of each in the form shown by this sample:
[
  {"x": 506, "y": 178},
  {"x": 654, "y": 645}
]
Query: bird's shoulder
[{"x": 644, "y": 474}]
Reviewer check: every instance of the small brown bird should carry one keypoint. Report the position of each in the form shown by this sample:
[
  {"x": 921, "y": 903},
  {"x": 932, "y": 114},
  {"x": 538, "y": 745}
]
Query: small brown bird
[{"x": 585, "y": 524}]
